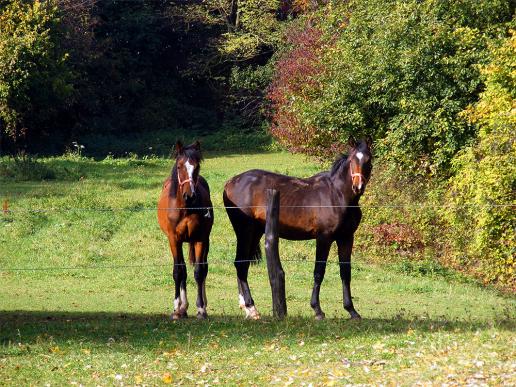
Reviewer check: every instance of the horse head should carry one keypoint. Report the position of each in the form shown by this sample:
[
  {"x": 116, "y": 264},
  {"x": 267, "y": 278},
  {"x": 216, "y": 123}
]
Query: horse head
[
  {"x": 360, "y": 163},
  {"x": 188, "y": 163}
]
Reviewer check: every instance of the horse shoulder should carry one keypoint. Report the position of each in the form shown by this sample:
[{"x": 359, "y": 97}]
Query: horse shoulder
[
  {"x": 163, "y": 205},
  {"x": 351, "y": 220}
]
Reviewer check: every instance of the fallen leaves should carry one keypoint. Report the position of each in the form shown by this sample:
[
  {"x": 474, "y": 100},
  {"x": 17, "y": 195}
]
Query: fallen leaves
[{"x": 167, "y": 378}]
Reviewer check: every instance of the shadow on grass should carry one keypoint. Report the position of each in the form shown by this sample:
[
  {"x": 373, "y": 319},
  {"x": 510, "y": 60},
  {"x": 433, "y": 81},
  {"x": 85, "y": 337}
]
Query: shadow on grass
[{"x": 149, "y": 329}]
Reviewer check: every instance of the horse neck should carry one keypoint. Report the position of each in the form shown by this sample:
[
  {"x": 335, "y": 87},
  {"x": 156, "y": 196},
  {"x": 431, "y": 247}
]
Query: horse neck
[
  {"x": 342, "y": 181},
  {"x": 174, "y": 187}
]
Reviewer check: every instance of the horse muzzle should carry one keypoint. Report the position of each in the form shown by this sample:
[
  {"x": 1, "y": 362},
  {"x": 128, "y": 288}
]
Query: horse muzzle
[
  {"x": 189, "y": 195},
  {"x": 358, "y": 189}
]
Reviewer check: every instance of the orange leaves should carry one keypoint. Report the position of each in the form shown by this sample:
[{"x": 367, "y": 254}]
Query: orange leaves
[{"x": 167, "y": 378}]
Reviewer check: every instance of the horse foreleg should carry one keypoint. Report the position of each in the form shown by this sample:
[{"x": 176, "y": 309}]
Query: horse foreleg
[
  {"x": 345, "y": 247},
  {"x": 179, "y": 273},
  {"x": 321, "y": 256},
  {"x": 201, "y": 271}
]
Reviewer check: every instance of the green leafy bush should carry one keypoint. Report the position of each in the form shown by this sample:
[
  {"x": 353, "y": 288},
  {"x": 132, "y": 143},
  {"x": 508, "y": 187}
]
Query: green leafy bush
[
  {"x": 483, "y": 189},
  {"x": 399, "y": 70}
]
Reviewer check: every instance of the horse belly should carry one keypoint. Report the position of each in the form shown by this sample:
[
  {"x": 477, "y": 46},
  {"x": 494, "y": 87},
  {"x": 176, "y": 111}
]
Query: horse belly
[
  {"x": 192, "y": 229},
  {"x": 306, "y": 227}
]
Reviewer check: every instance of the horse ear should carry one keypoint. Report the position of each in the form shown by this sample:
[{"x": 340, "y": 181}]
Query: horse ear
[
  {"x": 197, "y": 145},
  {"x": 352, "y": 142},
  {"x": 179, "y": 147},
  {"x": 369, "y": 141}
]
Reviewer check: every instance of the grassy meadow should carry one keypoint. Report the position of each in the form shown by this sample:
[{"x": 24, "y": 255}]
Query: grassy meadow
[{"x": 86, "y": 292}]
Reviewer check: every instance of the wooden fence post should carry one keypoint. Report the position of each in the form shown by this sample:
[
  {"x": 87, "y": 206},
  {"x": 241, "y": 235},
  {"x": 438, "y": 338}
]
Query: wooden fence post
[{"x": 276, "y": 273}]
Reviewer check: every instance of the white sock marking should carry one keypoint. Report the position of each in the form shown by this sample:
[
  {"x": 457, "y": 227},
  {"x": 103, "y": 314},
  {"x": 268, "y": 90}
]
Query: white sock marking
[{"x": 184, "y": 300}]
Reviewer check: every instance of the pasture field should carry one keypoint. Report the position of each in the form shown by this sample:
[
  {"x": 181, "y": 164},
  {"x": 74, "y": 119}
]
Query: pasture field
[{"x": 96, "y": 313}]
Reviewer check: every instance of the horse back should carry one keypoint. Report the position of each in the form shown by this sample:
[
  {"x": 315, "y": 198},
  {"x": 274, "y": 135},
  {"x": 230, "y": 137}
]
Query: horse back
[{"x": 308, "y": 207}]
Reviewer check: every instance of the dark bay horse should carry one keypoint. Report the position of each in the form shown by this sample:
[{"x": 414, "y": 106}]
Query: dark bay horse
[
  {"x": 183, "y": 217},
  {"x": 323, "y": 207}
]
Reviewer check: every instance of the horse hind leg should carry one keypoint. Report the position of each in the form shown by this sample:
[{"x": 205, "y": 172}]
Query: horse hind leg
[
  {"x": 248, "y": 245},
  {"x": 200, "y": 274}
]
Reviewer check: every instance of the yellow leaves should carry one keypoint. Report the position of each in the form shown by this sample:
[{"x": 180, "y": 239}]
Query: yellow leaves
[
  {"x": 55, "y": 349},
  {"x": 85, "y": 351},
  {"x": 138, "y": 379},
  {"x": 379, "y": 346},
  {"x": 270, "y": 347},
  {"x": 167, "y": 378}
]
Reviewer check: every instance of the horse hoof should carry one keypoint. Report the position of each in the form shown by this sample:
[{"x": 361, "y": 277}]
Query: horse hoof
[
  {"x": 356, "y": 316},
  {"x": 255, "y": 316},
  {"x": 202, "y": 316},
  {"x": 252, "y": 313},
  {"x": 179, "y": 315},
  {"x": 320, "y": 316}
]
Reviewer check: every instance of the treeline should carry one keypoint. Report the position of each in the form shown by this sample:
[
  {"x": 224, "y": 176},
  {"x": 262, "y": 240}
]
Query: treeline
[{"x": 76, "y": 69}]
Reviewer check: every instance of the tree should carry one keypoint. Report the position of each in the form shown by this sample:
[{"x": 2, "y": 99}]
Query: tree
[{"x": 34, "y": 78}]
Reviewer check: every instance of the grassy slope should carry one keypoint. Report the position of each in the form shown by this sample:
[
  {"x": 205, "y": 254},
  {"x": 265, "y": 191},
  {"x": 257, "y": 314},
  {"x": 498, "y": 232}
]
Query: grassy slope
[{"x": 110, "y": 325}]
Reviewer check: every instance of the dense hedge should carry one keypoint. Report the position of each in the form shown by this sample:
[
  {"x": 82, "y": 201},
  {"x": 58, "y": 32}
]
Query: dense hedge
[
  {"x": 399, "y": 70},
  {"x": 433, "y": 83},
  {"x": 484, "y": 186}
]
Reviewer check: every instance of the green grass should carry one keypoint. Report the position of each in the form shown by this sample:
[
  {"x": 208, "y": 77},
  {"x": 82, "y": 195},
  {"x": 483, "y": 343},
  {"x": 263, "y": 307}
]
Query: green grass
[{"x": 102, "y": 325}]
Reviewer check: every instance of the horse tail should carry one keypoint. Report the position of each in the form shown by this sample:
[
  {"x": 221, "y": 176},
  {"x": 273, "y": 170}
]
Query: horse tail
[
  {"x": 256, "y": 255},
  {"x": 191, "y": 253}
]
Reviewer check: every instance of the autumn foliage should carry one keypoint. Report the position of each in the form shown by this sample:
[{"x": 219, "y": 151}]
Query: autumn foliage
[{"x": 297, "y": 78}]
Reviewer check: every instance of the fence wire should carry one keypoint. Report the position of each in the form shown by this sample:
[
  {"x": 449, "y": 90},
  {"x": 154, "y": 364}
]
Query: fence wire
[
  {"x": 171, "y": 264},
  {"x": 8, "y": 210}
]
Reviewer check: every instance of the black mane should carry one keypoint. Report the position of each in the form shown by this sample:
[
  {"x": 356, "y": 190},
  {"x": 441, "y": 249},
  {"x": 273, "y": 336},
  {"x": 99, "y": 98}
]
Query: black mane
[
  {"x": 338, "y": 164},
  {"x": 192, "y": 153}
]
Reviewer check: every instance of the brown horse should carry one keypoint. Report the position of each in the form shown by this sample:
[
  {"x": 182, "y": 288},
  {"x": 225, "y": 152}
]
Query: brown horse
[
  {"x": 185, "y": 215},
  {"x": 323, "y": 207}
]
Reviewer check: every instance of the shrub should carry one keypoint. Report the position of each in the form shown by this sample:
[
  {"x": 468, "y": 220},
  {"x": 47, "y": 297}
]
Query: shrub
[
  {"x": 25, "y": 168},
  {"x": 399, "y": 70},
  {"x": 296, "y": 80},
  {"x": 483, "y": 189}
]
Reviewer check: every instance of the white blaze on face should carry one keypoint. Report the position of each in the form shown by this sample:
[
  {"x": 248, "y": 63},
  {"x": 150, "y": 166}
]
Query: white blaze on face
[
  {"x": 359, "y": 156},
  {"x": 190, "y": 170}
]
